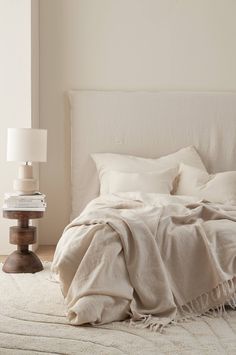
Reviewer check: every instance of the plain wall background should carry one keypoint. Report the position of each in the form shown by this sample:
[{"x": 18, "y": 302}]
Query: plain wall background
[
  {"x": 15, "y": 91},
  {"x": 123, "y": 44}
]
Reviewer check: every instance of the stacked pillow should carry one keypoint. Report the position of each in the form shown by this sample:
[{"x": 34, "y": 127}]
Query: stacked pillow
[
  {"x": 181, "y": 173},
  {"x": 159, "y": 182},
  {"x": 219, "y": 187},
  {"x": 122, "y": 173}
]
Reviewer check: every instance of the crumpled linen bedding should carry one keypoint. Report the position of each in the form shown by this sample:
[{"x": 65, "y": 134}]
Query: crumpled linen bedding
[{"x": 154, "y": 259}]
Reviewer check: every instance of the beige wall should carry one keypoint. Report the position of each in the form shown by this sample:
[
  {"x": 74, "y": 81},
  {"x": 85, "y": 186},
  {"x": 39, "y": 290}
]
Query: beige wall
[
  {"x": 123, "y": 44},
  {"x": 15, "y": 90}
]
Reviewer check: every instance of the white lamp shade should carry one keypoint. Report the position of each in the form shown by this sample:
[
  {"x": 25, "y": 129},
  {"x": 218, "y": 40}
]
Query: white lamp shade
[{"x": 26, "y": 145}]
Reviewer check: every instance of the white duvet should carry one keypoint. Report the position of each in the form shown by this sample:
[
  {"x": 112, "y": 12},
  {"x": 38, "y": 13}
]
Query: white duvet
[{"x": 152, "y": 258}]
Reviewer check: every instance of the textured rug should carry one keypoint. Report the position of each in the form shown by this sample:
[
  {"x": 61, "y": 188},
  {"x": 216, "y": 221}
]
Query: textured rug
[{"x": 32, "y": 321}]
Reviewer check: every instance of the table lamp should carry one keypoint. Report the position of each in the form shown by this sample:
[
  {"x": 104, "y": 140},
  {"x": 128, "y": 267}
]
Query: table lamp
[{"x": 26, "y": 145}]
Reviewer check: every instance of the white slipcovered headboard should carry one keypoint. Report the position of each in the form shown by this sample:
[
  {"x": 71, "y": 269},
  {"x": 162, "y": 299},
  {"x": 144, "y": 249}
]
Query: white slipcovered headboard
[{"x": 148, "y": 124}]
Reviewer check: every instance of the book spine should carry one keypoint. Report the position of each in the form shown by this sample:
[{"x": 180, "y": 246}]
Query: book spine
[
  {"x": 23, "y": 199},
  {"x": 41, "y": 209},
  {"x": 25, "y": 204}
]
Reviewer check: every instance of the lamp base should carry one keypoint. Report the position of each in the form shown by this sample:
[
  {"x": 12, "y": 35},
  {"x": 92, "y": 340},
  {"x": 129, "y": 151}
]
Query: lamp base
[{"x": 25, "y": 184}]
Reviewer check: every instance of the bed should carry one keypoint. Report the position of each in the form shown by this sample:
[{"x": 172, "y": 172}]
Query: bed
[
  {"x": 115, "y": 122},
  {"x": 108, "y": 257}
]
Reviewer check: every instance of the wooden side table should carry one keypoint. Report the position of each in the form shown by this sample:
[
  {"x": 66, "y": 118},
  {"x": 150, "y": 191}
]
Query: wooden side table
[{"x": 22, "y": 260}]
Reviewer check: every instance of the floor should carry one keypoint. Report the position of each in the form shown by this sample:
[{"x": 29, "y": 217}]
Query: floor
[
  {"x": 44, "y": 252},
  {"x": 33, "y": 321}
]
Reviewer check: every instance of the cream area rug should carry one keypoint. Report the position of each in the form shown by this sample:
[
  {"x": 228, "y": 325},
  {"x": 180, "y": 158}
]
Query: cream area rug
[{"x": 33, "y": 321}]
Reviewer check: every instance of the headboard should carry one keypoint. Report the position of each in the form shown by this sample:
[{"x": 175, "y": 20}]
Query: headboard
[{"x": 148, "y": 124}]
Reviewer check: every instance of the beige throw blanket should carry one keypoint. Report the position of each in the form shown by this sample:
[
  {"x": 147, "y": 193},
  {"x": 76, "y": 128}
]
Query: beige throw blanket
[{"x": 153, "y": 258}]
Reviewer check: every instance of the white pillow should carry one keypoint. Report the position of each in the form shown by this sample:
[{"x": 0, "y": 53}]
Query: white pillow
[
  {"x": 219, "y": 187},
  {"x": 131, "y": 164},
  {"x": 161, "y": 182}
]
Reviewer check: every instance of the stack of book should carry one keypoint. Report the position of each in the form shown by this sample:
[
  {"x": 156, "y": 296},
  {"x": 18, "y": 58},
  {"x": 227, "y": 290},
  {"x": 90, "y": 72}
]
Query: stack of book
[{"x": 17, "y": 202}]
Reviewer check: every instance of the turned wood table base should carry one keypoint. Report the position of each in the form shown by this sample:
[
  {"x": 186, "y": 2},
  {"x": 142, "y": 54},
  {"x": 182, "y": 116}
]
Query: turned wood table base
[{"x": 22, "y": 260}]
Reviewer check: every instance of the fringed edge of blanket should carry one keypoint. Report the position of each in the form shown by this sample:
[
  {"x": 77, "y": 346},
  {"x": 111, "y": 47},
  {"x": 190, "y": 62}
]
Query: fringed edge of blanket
[{"x": 211, "y": 304}]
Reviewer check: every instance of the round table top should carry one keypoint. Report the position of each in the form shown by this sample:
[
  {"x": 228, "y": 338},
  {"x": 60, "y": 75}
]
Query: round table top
[{"x": 22, "y": 214}]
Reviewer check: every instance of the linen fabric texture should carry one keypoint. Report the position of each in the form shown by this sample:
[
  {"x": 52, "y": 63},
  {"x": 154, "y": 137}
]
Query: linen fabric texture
[
  {"x": 106, "y": 162},
  {"x": 154, "y": 259},
  {"x": 220, "y": 187},
  {"x": 158, "y": 182}
]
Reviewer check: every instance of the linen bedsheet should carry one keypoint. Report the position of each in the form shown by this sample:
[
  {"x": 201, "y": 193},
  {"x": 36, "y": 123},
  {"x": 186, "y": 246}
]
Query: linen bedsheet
[{"x": 152, "y": 259}]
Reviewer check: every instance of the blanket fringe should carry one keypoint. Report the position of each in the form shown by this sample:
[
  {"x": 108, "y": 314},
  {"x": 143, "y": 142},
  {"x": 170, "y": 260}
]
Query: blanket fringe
[{"x": 212, "y": 304}]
